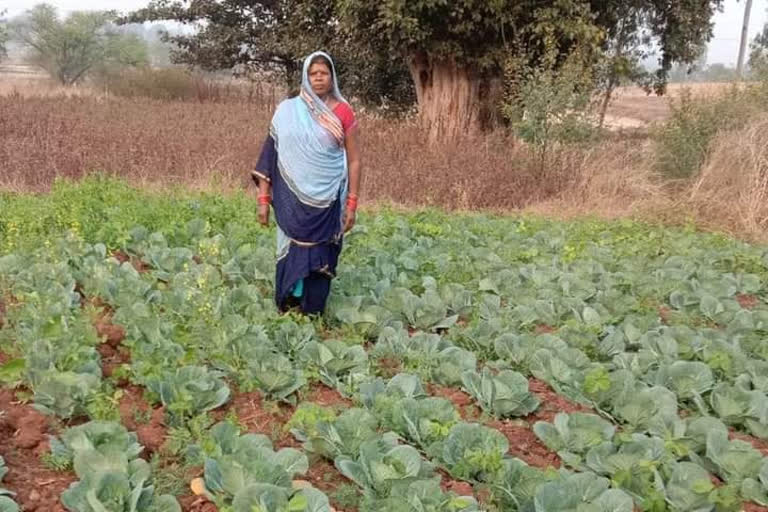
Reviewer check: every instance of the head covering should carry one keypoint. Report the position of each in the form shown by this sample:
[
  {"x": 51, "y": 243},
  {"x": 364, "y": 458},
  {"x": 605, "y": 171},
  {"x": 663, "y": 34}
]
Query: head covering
[
  {"x": 311, "y": 155},
  {"x": 305, "y": 77},
  {"x": 318, "y": 108}
]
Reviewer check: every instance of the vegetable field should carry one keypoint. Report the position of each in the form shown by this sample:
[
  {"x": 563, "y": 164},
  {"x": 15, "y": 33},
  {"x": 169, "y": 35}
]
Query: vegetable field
[{"x": 466, "y": 362}]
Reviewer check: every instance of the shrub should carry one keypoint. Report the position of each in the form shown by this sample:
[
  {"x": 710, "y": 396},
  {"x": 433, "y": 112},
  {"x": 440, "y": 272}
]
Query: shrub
[
  {"x": 684, "y": 142},
  {"x": 549, "y": 105}
]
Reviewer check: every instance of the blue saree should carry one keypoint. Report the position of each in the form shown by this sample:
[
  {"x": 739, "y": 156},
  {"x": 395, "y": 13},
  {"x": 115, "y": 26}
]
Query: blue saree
[{"x": 305, "y": 161}]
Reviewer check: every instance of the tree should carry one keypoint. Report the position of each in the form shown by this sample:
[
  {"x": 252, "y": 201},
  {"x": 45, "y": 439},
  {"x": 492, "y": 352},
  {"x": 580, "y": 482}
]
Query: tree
[
  {"x": 273, "y": 37},
  {"x": 3, "y": 36},
  {"x": 550, "y": 104},
  {"x": 758, "y": 57},
  {"x": 72, "y": 48},
  {"x": 634, "y": 30},
  {"x": 455, "y": 50}
]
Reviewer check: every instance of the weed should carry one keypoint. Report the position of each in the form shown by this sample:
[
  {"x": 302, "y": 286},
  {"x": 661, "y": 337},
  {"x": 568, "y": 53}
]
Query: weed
[
  {"x": 56, "y": 463},
  {"x": 346, "y": 496}
]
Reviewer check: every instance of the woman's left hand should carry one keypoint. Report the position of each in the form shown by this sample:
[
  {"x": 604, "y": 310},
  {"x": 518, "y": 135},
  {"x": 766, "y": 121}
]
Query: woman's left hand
[{"x": 349, "y": 220}]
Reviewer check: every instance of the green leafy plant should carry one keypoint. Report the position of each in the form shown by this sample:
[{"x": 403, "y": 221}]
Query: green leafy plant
[
  {"x": 572, "y": 435},
  {"x": 100, "y": 436},
  {"x": 517, "y": 485},
  {"x": 104, "y": 457},
  {"x": 339, "y": 365},
  {"x": 274, "y": 375},
  {"x": 472, "y": 452},
  {"x": 642, "y": 405},
  {"x": 269, "y": 498},
  {"x": 429, "y": 355},
  {"x": 382, "y": 465},
  {"x": 305, "y": 420},
  {"x": 379, "y": 395},
  {"x": 756, "y": 489},
  {"x": 114, "y": 483},
  {"x": 6, "y": 497},
  {"x": 689, "y": 487},
  {"x": 65, "y": 394},
  {"x": 504, "y": 395},
  {"x": 189, "y": 391},
  {"x": 633, "y": 467},
  {"x": 739, "y": 407},
  {"x": 687, "y": 379},
  {"x": 426, "y": 312},
  {"x": 579, "y": 491},
  {"x": 340, "y": 436},
  {"x": 733, "y": 460},
  {"x": 423, "y": 421},
  {"x": 420, "y": 495},
  {"x": 245, "y": 471}
]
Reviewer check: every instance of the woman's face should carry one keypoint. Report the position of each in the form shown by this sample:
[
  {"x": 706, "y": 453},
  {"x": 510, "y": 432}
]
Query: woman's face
[{"x": 320, "y": 78}]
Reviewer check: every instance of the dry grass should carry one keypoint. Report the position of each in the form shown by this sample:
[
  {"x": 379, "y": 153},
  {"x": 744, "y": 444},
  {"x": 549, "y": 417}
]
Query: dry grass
[
  {"x": 30, "y": 85},
  {"x": 732, "y": 189},
  {"x": 160, "y": 142},
  {"x": 142, "y": 140},
  {"x": 203, "y": 145},
  {"x": 612, "y": 180}
]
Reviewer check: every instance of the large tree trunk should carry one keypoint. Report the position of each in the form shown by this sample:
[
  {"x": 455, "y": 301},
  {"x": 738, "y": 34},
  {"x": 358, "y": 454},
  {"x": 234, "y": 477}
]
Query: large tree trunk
[{"x": 453, "y": 101}]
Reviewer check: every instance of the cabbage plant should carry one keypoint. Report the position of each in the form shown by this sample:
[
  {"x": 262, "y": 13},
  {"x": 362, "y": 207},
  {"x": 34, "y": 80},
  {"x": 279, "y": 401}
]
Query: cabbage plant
[
  {"x": 504, "y": 395},
  {"x": 572, "y": 435}
]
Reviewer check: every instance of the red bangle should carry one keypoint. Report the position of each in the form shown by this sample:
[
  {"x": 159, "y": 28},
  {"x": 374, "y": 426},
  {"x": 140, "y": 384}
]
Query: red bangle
[
  {"x": 265, "y": 199},
  {"x": 351, "y": 204}
]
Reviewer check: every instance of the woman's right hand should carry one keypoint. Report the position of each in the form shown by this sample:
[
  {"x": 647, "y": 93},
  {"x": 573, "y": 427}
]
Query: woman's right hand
[{"x": 264, "y": 214}]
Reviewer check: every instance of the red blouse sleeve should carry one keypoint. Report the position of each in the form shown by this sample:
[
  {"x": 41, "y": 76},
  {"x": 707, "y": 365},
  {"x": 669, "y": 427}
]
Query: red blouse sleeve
[{"x": 346, "y": 115}]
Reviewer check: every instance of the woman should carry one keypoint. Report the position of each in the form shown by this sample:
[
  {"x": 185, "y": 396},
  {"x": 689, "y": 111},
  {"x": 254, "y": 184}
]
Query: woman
[{"x": 309, "y": 170}]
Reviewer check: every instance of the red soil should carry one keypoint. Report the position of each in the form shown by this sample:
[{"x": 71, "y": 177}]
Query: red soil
[
  {"x": 23, "y": 439},
  {"x": 258, "y": 418},
  {"x": 759, "y": 444},
  {"x": 464, "y": 403},
  {"x": 152, "y": 433},
  {"x": 524, "y": 444},
  {"x": 747, "y": 301},
  {"x": 544, "y": 329},
  {"x": 324, "y": 476},
  {"x": 327, "y": 397},
  {"x": 139, "y": 265},
  {"x": 192, "y": 503},
  {"x": 551, "y": 402}
]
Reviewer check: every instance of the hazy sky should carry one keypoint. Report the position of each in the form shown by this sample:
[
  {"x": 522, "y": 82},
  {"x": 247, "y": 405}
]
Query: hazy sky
[{"x": 724, "y": 48}]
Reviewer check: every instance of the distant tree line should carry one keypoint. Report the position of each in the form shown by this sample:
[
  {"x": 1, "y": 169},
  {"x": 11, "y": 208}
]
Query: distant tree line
[{"x": 82, "y": 44}]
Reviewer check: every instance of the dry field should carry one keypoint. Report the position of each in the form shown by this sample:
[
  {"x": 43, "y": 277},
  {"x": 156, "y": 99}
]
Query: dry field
[
  {"x": 632, "y": 107},
  {"x": 46, "y": 133}
]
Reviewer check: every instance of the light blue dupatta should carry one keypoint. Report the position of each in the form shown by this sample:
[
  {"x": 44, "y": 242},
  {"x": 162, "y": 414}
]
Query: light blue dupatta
[{"x": 312, "y": 160}]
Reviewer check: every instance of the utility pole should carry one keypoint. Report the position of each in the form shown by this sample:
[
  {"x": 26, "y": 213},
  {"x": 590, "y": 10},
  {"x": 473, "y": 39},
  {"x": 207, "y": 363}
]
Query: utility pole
[{"x": 744, "y": 36}]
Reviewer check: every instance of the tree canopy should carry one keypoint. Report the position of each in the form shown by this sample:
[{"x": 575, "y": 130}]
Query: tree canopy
[
  {"x": 758, "y": 57},
  {"x": 456, "y": 52},
  {"x": 71, "y": 48},
  {"x": 482, "y": 33},
  {"x": 274, "y": 36}
]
